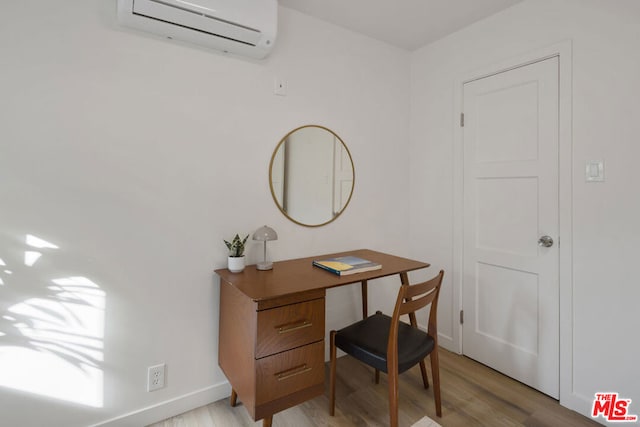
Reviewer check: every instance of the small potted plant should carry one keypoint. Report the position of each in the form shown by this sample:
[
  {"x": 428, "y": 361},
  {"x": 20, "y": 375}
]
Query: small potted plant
[{"x": 236, "y": 253}]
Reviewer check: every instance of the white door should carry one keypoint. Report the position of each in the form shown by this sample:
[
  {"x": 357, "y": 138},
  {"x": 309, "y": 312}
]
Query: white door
[{"x": 511, "y": 281}]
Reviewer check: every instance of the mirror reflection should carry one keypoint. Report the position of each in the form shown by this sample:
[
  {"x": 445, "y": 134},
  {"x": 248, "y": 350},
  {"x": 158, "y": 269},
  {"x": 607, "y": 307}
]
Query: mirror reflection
[{"x": 311, "y": 175}]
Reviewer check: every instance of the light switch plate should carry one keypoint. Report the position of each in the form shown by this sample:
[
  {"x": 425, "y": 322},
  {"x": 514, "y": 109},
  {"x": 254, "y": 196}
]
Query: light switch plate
[{"x": 594, "y": 171}]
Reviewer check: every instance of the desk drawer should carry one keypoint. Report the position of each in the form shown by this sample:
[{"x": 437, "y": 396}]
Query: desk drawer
[
  {"x": 288, "y": 372},
  {"x": 289, "y": 326}
]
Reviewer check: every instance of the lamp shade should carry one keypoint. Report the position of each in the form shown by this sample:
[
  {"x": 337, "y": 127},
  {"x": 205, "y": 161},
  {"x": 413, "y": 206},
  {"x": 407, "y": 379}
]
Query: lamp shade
[{"x": 265, "y": 234}]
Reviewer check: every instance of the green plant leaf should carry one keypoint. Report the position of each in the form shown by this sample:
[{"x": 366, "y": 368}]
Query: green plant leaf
[{"x": 236, "y": 246}]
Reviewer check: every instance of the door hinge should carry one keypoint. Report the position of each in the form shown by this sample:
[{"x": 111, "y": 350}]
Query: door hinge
[
  {"x": 461, "y": 120},
  {"x": 461, "y": 317}
]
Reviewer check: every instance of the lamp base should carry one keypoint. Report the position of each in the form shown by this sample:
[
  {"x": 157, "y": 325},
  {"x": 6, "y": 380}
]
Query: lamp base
[{"x": 264, "y": 266}]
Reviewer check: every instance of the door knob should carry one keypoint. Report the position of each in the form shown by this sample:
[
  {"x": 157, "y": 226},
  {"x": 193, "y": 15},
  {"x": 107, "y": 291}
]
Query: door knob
[{"x": 545, "y": 241}]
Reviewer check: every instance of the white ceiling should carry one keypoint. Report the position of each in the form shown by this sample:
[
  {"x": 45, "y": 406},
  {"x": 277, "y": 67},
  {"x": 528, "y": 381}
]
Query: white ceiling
[{"x": 408, "y": 24}]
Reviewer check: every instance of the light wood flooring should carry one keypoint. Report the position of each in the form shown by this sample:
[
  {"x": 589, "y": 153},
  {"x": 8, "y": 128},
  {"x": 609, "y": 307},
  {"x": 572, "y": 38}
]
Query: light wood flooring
[{"x": 472, "y": 395}]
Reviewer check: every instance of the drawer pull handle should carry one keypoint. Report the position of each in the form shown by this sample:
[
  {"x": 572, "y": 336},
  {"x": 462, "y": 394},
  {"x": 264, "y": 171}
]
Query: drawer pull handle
[
  {"x": 293, "y": 372},
  {"x": 294, "y": 326}
]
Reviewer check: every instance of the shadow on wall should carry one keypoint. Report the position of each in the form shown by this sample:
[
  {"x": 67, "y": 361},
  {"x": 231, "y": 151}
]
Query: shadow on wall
[{"x": 51, "y": 324}]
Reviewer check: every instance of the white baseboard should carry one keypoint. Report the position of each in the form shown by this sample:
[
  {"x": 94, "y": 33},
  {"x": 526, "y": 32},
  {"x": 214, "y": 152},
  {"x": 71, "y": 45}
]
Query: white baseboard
[
  {"x": 169, "y": 408},
  {"x": 447, "y": 343},
  {"x": 582, "y": 405}
]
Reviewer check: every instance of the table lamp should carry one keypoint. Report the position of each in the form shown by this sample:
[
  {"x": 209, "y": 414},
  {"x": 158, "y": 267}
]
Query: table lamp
[{"x": 265, "y": 234}]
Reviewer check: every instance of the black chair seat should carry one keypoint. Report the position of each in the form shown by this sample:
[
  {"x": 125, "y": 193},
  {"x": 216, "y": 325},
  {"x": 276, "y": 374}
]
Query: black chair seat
[{"x": 367, "y": 341}]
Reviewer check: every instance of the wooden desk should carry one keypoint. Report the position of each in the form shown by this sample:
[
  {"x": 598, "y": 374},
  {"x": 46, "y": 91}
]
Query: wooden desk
[{"x": 271, "y": 341}]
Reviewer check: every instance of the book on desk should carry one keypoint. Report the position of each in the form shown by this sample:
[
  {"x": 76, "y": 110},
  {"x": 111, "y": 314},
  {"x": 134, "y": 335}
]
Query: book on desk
[{"x": 345, "y": 265}]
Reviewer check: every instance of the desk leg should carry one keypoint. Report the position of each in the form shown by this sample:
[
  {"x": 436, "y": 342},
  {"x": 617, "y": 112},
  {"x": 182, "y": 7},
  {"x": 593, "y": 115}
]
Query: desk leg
[
  {"x": 233, "y": 399},
  {"x": 266, "y": 422},
  {"x": 365, "y": 299},
  {"x": 404, "y": 279}
]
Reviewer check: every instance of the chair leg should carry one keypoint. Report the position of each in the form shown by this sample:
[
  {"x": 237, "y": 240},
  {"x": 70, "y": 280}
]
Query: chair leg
[
  {"x": 435, "y": 371},
  {"x": 392, "y": 378},
  {"x": 332, "y": 374},
  {"x": 423, "y": 369},
  {"x": 234, "y": 398}
]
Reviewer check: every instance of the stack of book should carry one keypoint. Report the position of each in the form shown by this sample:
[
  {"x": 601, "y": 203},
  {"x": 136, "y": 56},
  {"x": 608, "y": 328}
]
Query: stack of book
[{"x": 346, "y": 265}]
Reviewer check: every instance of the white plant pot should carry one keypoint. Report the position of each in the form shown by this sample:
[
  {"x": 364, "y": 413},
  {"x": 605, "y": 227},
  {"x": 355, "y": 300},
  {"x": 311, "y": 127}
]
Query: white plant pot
[{"x": 236, "y": 263}]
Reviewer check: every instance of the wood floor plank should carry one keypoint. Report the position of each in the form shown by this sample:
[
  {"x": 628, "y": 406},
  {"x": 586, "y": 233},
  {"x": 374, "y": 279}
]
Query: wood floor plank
[{"x": 472, "y": 395}]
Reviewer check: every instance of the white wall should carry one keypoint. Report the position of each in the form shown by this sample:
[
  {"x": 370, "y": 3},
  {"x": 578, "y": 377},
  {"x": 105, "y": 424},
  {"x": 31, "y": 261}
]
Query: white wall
[
  {"x": 136, "y": 156},
  {"x": 121, "y": 148},
  {"x": 605, "y": 38}
]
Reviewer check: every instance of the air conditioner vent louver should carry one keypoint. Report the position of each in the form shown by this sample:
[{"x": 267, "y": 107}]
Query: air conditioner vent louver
[
  {"x": 205, "y": 15},
  {"x": 244, "y": 27},
  {"x": 196, "y": 29}
]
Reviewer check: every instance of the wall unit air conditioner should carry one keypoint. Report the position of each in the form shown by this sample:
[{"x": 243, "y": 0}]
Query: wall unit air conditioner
[{"x": 242, "y": 27}]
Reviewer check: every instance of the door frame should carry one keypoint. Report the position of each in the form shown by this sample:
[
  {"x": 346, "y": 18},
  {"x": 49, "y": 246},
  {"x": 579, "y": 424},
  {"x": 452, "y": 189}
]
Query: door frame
[{"x": 563, "y": 50}]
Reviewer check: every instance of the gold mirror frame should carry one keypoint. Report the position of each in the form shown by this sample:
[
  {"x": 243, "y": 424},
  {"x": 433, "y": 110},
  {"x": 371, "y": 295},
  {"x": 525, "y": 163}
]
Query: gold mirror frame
[{"x": 345, "y": 154}]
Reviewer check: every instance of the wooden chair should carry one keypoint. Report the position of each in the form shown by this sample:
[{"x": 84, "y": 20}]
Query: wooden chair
[{"x": 389, "y": 345}]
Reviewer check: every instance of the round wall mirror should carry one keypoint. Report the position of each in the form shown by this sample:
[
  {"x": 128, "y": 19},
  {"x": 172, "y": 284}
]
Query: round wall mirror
[{"x": 311, "y": 175}]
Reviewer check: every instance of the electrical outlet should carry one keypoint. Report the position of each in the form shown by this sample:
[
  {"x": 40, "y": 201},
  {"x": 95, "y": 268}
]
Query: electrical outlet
[{"x": 155, "y": 377}]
